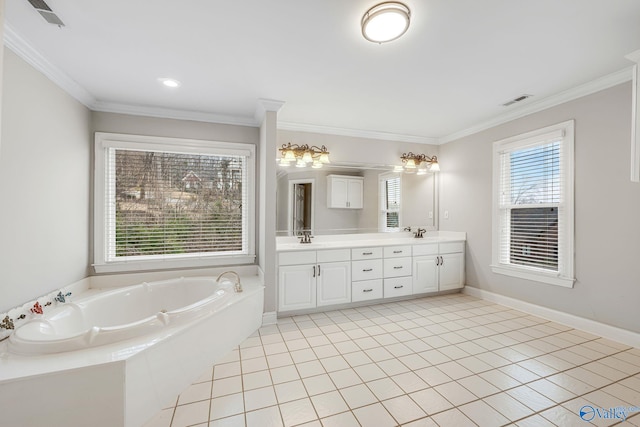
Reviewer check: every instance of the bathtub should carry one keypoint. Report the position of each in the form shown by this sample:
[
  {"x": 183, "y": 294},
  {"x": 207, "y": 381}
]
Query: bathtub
[
  {"x": 141, "y": 344},
  {"x": 120, "y": 314}
]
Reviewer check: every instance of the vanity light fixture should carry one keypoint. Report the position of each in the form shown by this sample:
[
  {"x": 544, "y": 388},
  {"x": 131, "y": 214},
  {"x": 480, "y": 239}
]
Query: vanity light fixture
[
  {"x": 304, "y": 155},
  {"x": 420, "y": 163},
  {"x": 385, "y": 22}
]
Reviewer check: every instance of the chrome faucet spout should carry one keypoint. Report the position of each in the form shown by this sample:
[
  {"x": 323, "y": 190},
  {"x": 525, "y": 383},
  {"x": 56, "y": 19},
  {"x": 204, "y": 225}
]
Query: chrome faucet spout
[{"x": 237, "y": 286}]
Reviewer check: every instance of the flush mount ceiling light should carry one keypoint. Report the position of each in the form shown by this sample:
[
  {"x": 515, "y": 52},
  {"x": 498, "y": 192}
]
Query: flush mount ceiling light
[
  {"x": 385, "y": 22},
  {"x": 168, "y": 82}
]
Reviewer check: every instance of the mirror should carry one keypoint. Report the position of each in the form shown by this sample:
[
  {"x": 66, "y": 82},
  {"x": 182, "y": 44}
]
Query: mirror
[{"x": 304, "y": 196}]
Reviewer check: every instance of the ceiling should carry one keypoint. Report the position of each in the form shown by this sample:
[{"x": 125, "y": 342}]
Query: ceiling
[{"x": 458, "y": 63}]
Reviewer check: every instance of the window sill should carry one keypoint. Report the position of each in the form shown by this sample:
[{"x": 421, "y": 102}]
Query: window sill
[
  {"x": 534, "y": 275},
  {"x": 167, "y": 263}
]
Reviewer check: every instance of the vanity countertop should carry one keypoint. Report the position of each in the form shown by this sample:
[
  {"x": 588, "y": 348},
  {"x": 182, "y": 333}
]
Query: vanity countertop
[{"x": 285, "y": 244}]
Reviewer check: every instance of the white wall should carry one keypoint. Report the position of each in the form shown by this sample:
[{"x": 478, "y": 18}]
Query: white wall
[
  {"x": 607, "y": 210},
  {"x": 44, "y": 185}
]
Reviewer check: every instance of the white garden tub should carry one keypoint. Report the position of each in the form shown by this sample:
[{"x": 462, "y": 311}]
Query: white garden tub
[{"x": 110, "y": 316}]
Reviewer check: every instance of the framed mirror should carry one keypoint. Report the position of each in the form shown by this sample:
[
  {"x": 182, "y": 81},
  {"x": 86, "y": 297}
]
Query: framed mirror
[{"x": 390, "y": 201}]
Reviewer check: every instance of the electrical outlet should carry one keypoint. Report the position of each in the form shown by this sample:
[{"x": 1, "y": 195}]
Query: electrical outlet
[
  {"x": 446, "y": 214},
  {"x": 430, "y": 214}
]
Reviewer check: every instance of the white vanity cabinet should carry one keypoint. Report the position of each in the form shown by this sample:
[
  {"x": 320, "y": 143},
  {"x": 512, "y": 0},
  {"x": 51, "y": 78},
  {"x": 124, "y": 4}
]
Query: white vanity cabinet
[
  {"x": 345, "y": 192},
  {"x": 425, "y": 268},
  {"x": 397, "y": 271},
  {"x": 296, "y": 280},
  {"x": 333, "y": 277},
  {"x": 438, "y": 267},
  {"x": 451, "y": 267},
  {"x": 366, "y": 274},
  {"x": 309, "y": 279}
]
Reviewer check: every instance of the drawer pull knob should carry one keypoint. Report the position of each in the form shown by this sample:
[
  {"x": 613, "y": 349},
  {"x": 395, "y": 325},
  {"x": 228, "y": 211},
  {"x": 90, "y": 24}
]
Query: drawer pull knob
[
  {"x": 397, "y": 267},
  {"x": 397, "y": 252},
  {"x": 398, "y": 287},
  {"x": 367, "y": 290},
  {"x": 367, "y": 253},
  {"x": 367, "y": 269}
]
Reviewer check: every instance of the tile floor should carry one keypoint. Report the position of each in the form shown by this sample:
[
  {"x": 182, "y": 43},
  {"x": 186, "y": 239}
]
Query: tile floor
[{"x": 450, "y": 360}]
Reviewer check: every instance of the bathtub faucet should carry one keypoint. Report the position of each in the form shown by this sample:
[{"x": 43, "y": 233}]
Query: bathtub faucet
[{"x": 237, "y": 286}]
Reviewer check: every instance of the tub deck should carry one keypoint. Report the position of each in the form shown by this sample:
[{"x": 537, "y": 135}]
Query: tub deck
[{"x": 124, "y": 383}]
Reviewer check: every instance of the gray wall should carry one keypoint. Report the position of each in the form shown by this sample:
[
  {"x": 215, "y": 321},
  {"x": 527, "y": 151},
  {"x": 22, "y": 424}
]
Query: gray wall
[
  {"x": 44, "y": 185},
  {"x": 607, "y": 210}
]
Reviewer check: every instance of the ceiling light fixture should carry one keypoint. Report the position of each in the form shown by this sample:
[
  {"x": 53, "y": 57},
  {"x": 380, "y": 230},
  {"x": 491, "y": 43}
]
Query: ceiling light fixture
[
  {"x": 385, "y": 22},
  {"x": 420, "y": 163},
  {"x": 168, "y": 82},
  {"x": 304, "y": 155}
]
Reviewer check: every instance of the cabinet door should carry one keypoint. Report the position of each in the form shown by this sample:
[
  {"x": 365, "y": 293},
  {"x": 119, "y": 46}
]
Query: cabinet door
[
  {"x": 338, "y": 193},
  {"x": 355, "y": 193},
  {"x": 451, "y": 271},
  {"x": 425, "y": 274},
  {"x": 296, "y": 287},
  {"x": 334, "y": 283}
]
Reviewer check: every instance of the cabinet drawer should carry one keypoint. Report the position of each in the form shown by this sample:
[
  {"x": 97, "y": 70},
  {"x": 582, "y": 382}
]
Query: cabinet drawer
[
  {"x": 397, "y": 267},
  {"x": 366, "y": 290},
  {"x": 366, "y": 269},
  {"x": 334, "y": 255},
  {"x": 366, "y": 253},
  {"x": 397, "y": 251},
  {"x": 451, "y": 247},
  {"x": 397, "y": 287},
  {"x": 297, "y": 258},
  {"x": 426, "y": 249}
]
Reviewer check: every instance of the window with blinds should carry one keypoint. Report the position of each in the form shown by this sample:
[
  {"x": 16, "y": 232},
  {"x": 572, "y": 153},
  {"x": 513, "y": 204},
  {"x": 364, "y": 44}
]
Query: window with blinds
[
  {"x": 167, "y": 202},
  {"x": 390, "y": 198},
  {"x": 533, "y": 214}
]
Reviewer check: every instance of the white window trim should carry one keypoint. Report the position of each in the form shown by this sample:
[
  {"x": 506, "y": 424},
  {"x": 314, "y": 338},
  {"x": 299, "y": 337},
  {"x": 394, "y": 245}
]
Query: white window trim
[
  {"x": 382, "y": 223},
  {"x": 531, "y": 273},
  {"x": 103, "y": 141}
]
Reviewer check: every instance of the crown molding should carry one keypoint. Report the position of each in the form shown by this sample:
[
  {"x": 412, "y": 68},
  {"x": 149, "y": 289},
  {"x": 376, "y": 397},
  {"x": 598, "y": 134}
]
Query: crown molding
[
  {"x": 168, "y": 113},
  {"x": 23, "y": 49},
  {"x": 358, "y": 133},
  {"x": 265, "y": 105},
  {"x": 593, "y": 86}
]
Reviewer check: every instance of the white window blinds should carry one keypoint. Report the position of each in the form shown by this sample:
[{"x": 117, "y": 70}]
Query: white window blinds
[
  {"x": 390, "y": 197},
  {"x": 535, "y": 204},
  {"x": 173, "y": 204}
]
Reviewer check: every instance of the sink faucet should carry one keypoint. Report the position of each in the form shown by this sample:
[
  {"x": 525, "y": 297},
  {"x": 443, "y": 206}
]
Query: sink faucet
[
  {"x": 406, "y": 229},
  {"x": 419, "y": 233},
  {"x": 237, "y": 286},
  {"x": 306, "y": 237}
]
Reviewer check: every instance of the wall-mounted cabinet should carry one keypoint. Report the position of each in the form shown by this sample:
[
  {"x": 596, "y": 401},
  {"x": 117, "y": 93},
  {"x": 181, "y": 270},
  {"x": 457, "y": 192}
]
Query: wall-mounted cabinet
[{"x": 345, "y": 192}]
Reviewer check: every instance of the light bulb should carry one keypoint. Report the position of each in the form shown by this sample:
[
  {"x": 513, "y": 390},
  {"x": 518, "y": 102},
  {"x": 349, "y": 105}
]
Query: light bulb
[
  {"x": 306, "y": 157},
  {"x": 324, "y": 158},
  {"x": 435, "y": 167}
]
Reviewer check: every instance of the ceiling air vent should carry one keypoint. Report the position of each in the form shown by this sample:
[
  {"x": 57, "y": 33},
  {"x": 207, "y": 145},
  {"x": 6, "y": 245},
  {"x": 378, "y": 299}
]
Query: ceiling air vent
[
  {"x": 46, "y": 12},
  {"x": 518, "y": 99}
]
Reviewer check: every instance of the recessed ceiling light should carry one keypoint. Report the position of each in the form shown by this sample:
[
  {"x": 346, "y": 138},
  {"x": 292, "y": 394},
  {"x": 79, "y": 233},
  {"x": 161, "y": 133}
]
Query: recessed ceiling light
[
  {"x": 169, "y": 82},
  {"x": 385, "y": 22}
]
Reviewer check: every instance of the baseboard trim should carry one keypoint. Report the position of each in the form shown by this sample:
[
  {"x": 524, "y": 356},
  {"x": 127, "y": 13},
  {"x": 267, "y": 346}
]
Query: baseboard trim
[
  {"x": 269, "y": 318},
  {"x": 613, "y": 333}
]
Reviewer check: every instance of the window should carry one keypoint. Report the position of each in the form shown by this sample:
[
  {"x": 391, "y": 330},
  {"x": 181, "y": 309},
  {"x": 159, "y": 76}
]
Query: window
[
  {"x": 533, "y": 205},
  {"x": 390, "y": 202},
  {"x": 171, "y": 203}
]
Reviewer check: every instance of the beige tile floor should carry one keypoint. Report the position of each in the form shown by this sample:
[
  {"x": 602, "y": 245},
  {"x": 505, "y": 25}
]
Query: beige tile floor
[{"x": 450, "y": 360}]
